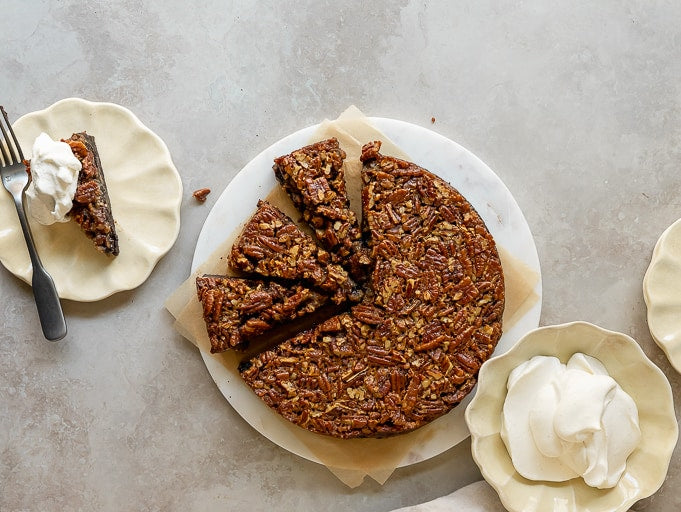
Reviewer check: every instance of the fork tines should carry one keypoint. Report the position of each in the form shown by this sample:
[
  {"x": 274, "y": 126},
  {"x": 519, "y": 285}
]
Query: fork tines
[{"x": 9, "y": 153}]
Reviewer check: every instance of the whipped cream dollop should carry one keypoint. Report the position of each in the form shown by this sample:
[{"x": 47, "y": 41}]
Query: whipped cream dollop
[
  {"x": 54, "y": 178},
  {"x": 562, "y": 421}
]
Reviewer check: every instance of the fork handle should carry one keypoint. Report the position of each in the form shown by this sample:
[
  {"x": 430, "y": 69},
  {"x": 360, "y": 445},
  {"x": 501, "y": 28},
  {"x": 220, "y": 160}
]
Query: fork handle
[{"x": 46, "y": 297}]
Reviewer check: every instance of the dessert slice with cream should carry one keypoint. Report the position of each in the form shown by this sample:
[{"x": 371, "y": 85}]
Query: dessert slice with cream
[
  {"x": 67, "y": 183},
  {"x": 91, "y": 204}
]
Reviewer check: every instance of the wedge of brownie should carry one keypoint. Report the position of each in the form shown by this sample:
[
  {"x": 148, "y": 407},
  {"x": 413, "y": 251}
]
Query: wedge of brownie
[
  {"x": 237, "y": 310},
  {"x": 91, "y": 204},
  {"x": 313, "y": 177},
  {"x": 431, "y": 316},
  {"x": 272, "y": 245}
]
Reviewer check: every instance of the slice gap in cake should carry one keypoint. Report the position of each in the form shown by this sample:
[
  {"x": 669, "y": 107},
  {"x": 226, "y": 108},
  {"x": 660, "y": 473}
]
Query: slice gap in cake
[{"x": 91, "y": 205}]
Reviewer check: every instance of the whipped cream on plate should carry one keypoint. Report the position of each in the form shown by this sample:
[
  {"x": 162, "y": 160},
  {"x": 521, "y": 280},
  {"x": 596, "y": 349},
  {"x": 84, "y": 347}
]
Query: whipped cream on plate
[
  {"x": 54, "y": 178},
  {"x": 562, "y": 421}
]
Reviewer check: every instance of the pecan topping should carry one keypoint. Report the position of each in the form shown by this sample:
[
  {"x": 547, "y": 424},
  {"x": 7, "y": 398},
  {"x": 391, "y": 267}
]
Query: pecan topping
[{"x": 86, "y": 192}]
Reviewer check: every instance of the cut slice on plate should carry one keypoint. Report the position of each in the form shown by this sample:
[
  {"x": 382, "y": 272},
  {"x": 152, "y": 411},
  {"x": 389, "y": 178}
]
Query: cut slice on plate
[
  {"x": 91, "y": 204},
  {"x": 237, "y": 310},
  {"x": 314, "y": 179},
  {"x": 272, "y": 245}
]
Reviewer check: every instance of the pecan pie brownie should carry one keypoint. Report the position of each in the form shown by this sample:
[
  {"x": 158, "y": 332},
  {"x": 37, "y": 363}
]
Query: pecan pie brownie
[
  {"x": 313, "y": 177},
  {"x": 237, "y": 310},
  {"x": 272, "y": 245},
  {"x": 431, "y": 316},
  {"x": 91, "y": 204}
]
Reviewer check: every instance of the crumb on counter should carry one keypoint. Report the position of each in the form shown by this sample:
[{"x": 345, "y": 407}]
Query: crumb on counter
[
  {"x": 201, "y": 194},
  {"x": 432, "y": 120}
]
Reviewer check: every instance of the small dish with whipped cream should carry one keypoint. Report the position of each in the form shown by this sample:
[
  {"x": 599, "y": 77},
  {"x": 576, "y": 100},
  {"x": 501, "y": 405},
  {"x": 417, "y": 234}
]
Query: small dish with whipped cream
[{"x": 572, "y": 418}]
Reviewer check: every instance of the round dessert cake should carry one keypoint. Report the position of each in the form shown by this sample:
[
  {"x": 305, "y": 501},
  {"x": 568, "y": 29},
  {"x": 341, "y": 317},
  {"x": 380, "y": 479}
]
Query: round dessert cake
[{"x": 429, "y": 316}]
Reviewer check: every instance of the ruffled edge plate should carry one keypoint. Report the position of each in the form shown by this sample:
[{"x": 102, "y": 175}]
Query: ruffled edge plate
[
  {"x": 625, "y": 361},
  {"x": 662, "y": 294},
  {"x": 145, "y": 190}
]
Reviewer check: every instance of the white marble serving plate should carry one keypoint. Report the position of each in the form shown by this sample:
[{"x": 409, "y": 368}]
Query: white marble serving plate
[
  {"x": 662, "y": 294},
  {"x": 145, "y": 192},
  {"x": 634, "y": 372},
  {"x": 436, "y": 153}
]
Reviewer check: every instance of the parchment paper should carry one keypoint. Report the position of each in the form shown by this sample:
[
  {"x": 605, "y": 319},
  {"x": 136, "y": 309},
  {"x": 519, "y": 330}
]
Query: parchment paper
[{"x": 350, "y": 460}]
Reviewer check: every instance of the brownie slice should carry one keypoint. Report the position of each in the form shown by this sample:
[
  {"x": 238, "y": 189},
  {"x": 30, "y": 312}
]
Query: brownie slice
[
  {"x": 237, "y": 310},
  {"x": 272, "y": 245},
  {"x": 411, "y": 351},
  {"x": 314, "y": 179},
  {"x": 91, "y": 204}
]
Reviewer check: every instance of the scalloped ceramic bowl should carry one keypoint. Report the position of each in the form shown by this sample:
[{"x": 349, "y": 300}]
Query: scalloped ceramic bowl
[
  {"x": 661, "y": 294},
  {"x": 145, "y": 192},
  {"x": 636, "y": 374}
]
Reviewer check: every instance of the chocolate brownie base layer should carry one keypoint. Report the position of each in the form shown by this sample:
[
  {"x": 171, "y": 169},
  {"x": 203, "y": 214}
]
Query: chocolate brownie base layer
[{"x": 91, "y": 204}]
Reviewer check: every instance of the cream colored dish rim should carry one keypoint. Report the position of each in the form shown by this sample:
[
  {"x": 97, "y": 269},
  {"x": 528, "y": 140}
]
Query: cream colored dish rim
[
  {"x": 637, "y": 375},
  {"x": 662, "y": 295},
  {"x": 144, "y": 187}
]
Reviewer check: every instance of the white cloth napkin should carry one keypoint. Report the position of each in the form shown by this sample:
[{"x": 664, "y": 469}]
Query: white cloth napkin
[{"x": 476, "y": 497}]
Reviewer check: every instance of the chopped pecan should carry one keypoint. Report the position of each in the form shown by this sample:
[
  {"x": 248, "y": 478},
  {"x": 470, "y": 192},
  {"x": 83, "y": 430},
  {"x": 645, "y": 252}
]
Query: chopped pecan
[
  {"x": 201, "y": 194},
  {"x": 86, "y": 192}
]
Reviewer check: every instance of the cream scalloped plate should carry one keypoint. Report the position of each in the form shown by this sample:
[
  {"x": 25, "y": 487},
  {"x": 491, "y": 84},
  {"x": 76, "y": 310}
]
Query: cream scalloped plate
[
  {"x": 662, "y": 294},
  {"x": 145, "y": 192},
  {"x": 626, "y": 363},
  {"x": 474, "y": 180}
]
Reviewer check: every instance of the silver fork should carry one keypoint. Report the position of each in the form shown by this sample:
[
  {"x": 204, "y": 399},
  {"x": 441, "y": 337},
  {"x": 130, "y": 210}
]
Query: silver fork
[{"x": 16, "y": 179}]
